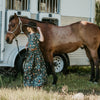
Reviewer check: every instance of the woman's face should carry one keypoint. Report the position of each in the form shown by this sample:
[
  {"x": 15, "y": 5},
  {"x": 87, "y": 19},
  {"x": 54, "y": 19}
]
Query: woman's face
[{"x": 29, "y": 29}]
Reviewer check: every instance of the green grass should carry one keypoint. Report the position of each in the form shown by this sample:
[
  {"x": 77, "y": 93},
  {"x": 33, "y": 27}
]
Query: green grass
[{"x": 77, "y": 80}]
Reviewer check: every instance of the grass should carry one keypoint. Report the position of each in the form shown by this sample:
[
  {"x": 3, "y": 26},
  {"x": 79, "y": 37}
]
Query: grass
[
  {"x": 74, "y": 82},
  {"x": 77, "y": 81}
]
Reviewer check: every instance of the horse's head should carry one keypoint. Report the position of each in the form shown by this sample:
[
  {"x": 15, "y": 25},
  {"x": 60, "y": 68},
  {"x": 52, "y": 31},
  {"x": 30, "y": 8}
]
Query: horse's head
[{"x": 13, "y": 28}]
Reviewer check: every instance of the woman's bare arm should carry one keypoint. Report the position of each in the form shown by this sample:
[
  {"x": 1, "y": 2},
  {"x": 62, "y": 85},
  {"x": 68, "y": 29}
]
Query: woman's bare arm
[{"x": 41, "y": 35}]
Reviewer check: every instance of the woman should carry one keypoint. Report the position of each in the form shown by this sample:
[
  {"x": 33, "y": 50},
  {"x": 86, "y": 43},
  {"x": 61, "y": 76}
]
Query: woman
[{"x": 35, "y": 70}]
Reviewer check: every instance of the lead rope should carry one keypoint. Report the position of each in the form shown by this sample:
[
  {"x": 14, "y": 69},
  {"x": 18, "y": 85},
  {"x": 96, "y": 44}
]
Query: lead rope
[{"x": 17, "y": 47}]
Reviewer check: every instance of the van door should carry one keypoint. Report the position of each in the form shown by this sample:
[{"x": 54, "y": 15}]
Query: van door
[{"x": 2, "y": 29}]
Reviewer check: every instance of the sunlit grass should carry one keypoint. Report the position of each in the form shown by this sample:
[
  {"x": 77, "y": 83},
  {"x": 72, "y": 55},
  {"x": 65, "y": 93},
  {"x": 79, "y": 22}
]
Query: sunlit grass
[{"x": 40, "y": 94}]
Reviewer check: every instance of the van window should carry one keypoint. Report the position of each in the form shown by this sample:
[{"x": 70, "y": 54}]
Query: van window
[
  {"x": 49, "y": 6},
  {"x": 17, "y": 4}
]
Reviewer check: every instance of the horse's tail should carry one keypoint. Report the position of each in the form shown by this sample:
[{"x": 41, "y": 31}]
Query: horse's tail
[{"x": 99, "y": 52}]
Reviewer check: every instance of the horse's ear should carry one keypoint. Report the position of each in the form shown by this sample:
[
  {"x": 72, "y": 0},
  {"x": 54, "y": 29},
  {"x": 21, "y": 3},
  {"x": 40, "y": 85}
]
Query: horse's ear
[{"x": 15, "y": 16}]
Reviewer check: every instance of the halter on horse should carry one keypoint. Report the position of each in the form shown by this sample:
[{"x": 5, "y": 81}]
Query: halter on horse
[
  {"x": 64, "y": 39},
  {"x": 19, "y": 24}
]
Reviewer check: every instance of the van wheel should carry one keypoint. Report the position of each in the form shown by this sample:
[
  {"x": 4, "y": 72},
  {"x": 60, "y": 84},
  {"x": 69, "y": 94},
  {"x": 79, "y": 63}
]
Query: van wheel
[
  {"x": 19, "y": 62},
  {"x": 61, "y": 62}
]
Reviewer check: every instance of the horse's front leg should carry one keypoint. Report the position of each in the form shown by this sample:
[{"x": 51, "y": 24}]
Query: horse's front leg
[
  {"x": 53, "y": 73},
  {"x": 50, "y": 67}
]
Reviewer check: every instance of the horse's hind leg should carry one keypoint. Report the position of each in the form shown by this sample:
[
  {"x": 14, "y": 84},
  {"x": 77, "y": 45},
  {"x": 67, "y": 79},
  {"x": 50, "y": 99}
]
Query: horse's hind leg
[
  {"x": 95, "y": 57},
  {"x": 97, "y": 71},
  {"x": 91, "y": 62}
]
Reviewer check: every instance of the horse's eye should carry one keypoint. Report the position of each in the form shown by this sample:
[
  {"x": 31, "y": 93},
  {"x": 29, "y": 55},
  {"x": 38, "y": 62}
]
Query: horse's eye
[{"x": 13, "y": 25}]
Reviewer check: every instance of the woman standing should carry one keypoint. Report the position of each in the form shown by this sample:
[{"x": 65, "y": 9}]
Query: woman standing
[{"x": 35, "y": 70}]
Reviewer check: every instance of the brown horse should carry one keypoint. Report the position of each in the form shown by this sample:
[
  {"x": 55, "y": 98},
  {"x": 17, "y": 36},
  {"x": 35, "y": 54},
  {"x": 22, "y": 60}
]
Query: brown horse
[{"x": 64, "y": 39}]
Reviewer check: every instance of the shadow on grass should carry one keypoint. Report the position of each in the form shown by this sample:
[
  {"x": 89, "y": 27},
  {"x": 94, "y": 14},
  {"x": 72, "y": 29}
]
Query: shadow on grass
[{"x": 79, "y": 69}]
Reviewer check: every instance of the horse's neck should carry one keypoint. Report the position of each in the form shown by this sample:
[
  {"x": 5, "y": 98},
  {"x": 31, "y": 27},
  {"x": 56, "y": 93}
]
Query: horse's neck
[
  {"x": 42, "y": 25},
  {"x": 26, "y": 21}
]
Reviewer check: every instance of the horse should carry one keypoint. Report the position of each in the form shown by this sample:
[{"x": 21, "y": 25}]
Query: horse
[{"x": 62, "y": 39}]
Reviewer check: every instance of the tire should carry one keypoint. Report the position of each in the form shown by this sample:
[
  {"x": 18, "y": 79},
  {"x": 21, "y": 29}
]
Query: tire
[
  {"x": 61, "y": 62},
  {"x": 19, "y": 62}
]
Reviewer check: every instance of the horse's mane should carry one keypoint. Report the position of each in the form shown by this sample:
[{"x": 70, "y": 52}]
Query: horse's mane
[{"x": 12, "y": 17}]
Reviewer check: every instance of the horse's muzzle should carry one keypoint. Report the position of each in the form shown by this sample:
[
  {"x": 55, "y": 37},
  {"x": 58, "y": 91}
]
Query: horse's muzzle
[{"x": 7, "y": 40}]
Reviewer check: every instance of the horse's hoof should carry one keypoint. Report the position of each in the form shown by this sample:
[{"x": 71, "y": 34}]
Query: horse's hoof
[
  {"x": 95, "y": 82},
  {"x": 91, "y": 80},
  {"x": 55, "y": 80},
  {"x": 54, "y": 83}
]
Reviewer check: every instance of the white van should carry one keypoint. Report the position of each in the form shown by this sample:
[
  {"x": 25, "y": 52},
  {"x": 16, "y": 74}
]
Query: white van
[{"x": 59, "y": 12}]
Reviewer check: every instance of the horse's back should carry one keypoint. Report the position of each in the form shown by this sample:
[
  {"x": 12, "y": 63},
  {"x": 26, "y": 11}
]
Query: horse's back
[{"x": 78, "y": 34}]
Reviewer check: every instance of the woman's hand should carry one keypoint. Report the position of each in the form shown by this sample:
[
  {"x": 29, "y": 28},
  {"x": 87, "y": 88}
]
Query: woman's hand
[
  {"x": 39, "y": 29},
  {"x": 26, "y": 46}
]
